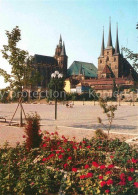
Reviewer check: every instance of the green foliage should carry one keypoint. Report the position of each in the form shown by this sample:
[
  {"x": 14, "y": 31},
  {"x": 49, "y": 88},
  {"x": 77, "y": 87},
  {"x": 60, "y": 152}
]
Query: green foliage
[
  {"x": 4, "y": 96},
  {"x": 20, "y": 62},
  {"x": 42, "y": 170},
  {"x": 33, "y": 136}
]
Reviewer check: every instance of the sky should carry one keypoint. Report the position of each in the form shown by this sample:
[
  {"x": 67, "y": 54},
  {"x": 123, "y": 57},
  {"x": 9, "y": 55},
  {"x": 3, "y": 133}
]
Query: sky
[{"x": 80, "y": 22}]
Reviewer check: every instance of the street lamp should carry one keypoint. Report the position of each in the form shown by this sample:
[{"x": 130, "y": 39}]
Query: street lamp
[{"x": 56, "y": 75}]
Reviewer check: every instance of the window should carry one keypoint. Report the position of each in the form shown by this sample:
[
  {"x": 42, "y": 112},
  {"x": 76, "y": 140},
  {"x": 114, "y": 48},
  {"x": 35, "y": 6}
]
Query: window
[
  {"x": 100, "y": 61},
  {"x": 114, "y": 59},
  {"x": 107, "y": 59},
  {"x": 108, "y": 53}
]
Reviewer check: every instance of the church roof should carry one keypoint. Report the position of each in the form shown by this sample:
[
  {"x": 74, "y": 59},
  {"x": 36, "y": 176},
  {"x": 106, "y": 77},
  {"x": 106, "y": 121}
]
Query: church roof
[
  {"x": 41, "y": 59},
  {"x": 107, "y": 70},
  {"x": 88, "y": 69}
]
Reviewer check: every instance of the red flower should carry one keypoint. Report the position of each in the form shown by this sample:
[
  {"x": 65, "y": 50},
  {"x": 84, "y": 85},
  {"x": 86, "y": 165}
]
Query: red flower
[
  {"x": 136, "y": 184},
  {"x": 103, "y": 183},
  {"x": 122, "y": 183},
  {"x": 82, "y": 176},
  {"x": 58, "y": 143},
  {"x": 57, "y": 152},
  {"x": 108, "y": 172},
  {"x": 65, "y": 165},
  {"x": 44, "y": 159},
  {"x": 86, "y": 166},
  {"x": 68, "y": 149},
  {"x": 100, "y": 177},
  {"x": 75, "y": 148},
  {"x": 60, "y": 156},
  {"x": 51, "y": 155},
  {"x": 56, "y": 133},
  {"x": 134, "y": 160},
  {"x": 110, "y": 166},
  {"x": 109, "y": 182},
  {"x": 80, "y": 146},
  {"x": 24, "y": 136},
  {"x": 84, "y": 142},
  {"x": 88, "y": 147},
  {"x": 111, "y": 157},
  {"x": 74, "y": 169},
  {"x": 99, "y": 147},
  {"x": 107, "y": 191},
  {"x": 69, "y": 158},
  {"x": 62, "y": 151},
  {"x": 122, "y": 176},
  {"x": 89, "y": 175},
  {"x": 102, "y": 167},
  {"x": 52, "y": 149},
  {"x": 132, "y": 170},
  {"x": 95, "y": 164},
  {"x": 63, "y": 136},
  {"x": 130, "y": 178},
  {"x": 52, "y": 133}
]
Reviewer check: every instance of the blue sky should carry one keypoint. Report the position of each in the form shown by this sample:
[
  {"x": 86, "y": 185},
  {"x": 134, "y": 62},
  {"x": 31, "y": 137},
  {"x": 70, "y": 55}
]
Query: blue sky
[{"x": 80, "y": 23}]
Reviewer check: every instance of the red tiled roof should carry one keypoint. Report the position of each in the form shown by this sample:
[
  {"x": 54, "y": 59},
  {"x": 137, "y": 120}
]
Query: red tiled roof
[{"x": 106, "y": 70}]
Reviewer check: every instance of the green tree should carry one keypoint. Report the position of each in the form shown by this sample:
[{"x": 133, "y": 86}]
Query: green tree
[
  {"x": 109, "y": 110},
  {"x": 21, "y": 65}
]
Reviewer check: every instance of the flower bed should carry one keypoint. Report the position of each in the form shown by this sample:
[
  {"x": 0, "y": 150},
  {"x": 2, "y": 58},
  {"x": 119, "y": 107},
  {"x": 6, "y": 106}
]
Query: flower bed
[{"x": 95, "y": 166}]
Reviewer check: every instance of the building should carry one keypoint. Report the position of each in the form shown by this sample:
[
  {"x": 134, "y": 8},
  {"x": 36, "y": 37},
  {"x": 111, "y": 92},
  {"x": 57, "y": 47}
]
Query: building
[
  {"x": 112, "y": 68},
  {"x": 46, "y": 65}
]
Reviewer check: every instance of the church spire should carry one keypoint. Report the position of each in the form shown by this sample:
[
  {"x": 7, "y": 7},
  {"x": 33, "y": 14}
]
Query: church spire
[
  {"x": 117, "y": 42},
  {"x": 109, "y": 44},
  {"x": 102, "y": 47},
  {"x": 60, "y": 41},
  {"x": 63, "y": 52}
]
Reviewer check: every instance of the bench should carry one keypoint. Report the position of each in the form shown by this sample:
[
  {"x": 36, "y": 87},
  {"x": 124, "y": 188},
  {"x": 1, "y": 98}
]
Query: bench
[{"x": 1, "y": 117}]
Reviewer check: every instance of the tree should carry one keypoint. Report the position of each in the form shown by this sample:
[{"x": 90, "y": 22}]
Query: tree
[
  {"x": 114, "y": 90},
  {"x": 132, "y": 56},
  {"x": 109, "y": 110},
  {"x": 21, "y": 65}
]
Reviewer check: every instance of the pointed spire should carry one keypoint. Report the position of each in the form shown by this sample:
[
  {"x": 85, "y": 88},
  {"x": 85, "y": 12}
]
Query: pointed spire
[
  {"x": 60, "y": 41},
  {"x": 117, "y": 51},
  {"x": 63, "y": 52},
  {"x": 109, "y": 44},
  {"x": 102, "y": 47}
]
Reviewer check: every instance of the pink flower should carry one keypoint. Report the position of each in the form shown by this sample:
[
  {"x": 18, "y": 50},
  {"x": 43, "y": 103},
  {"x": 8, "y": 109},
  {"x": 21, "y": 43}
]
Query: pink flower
[
  {"x": 74, "y": 169},
  {"x": 86, "y": 166},
  {"x": 89, "y": 175},
  {"x": 88, "y": 147},
  {"x": 132, "y": 170},
  {"x": 110, "y": 166},
  {"x": 103, "y": 183},
  {"x": 44, "y": 145},
  {"x": 122, "y": 183},
  {"x": 95, "y": 164},
  {"x": 108, "y": 173},
  {"x": 32, "y": 183},
  {"x": 109, "y": 182},
  {"x": 111, "y": 157},
  {"x": 102, "y": 167},
  {"x": 60, "y": 156},
  {"x": 65, "y": 165},
  {"x": 69, "y": 158},
  {"x": 44, "y": 159},
  {"x": 82, "y": 176},
  {"x": 134, "y": 160},
  {"x": 136, "y": 184},
  {"x": 100, "y": 177},
  {"x": 107, "y": 191},
  {"x": 130, "y": 178}
]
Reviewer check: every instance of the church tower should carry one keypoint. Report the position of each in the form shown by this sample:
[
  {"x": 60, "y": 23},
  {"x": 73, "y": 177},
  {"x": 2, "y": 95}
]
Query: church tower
[
  {"x": 58, "y": 48},
  {"x": 109, "y": 60},
  {"x": 62, "y": 61}
]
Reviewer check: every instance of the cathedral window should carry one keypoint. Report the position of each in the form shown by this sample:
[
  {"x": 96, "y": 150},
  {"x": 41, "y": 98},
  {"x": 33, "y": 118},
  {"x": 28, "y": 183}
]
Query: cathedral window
[
  {"x": 100, "y": 61},
  {"x": 108, "y": 53},
  {"x": 107, "y": 59},
  {"x": 114, "y": 59}
]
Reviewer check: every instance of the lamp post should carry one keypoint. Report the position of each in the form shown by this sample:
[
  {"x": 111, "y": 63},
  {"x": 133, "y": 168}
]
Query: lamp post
[{"x": 55, "y": 76}]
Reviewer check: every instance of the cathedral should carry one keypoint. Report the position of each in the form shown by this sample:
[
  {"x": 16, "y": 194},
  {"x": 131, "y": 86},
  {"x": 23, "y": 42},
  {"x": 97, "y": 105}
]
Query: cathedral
[
  {"x": 113, "y": 68},
  {"x": 46, "y": 65}
]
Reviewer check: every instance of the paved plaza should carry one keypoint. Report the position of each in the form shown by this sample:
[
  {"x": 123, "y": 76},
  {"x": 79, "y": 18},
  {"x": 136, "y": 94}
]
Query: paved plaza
[{"x": 78, "y": 121}]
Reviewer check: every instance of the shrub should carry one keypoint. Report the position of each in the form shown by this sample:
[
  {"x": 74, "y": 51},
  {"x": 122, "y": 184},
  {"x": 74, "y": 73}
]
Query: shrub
[
  {"x": 32, "y": 130},
  {"x": 99, "y": 133}
]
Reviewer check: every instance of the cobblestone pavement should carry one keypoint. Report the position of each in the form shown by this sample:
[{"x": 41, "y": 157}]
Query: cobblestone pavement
[{"x": 79, "y": 121}]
